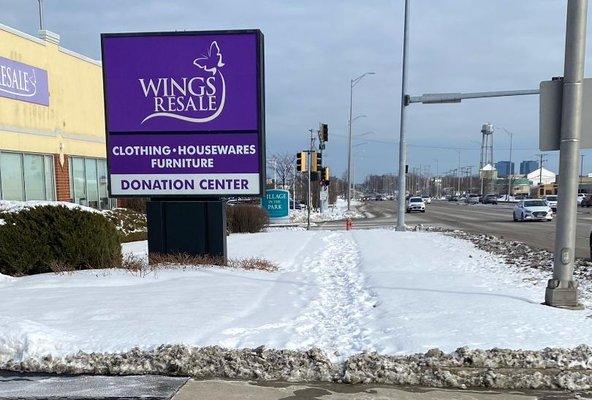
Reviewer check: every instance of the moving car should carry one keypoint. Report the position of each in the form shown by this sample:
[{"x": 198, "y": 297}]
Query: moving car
[
  {"x": 587, "y": 202},
  {"x": 551, "y": 201},
  {"x": 452, "y": 198},
  {"x": 415, "y": 204},
  {"x": 489, "y": 199},
  {"x": 532, "y": 210},
  {"x": 426, "y": 199}
]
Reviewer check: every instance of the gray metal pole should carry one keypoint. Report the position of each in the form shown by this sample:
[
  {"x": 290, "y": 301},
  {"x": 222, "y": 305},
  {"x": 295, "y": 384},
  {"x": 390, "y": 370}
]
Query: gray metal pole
[
  {"x": 309, "y": 167},
  {"x": 40, "y": 2},
  {"x": 402, "y": 143},
  {"x": 349, "y": 152},
  {"x": 562, "y": 290},
  {"x": 511, "y": 172}
]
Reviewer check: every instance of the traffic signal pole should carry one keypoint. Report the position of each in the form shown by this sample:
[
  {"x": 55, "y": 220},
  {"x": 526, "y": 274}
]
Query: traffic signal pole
[
  {"x": 309, "y": 197},
  {"x": 562, "y": 290}
]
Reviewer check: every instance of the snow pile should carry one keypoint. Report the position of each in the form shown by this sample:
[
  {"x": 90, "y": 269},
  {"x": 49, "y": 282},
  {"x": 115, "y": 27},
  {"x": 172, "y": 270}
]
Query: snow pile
[
  {"x": 17, "y": 206},
  {"x": 347, "y": 306},
  {"x": 535, "y": 265},
  {"x": 337, "y": 211}
]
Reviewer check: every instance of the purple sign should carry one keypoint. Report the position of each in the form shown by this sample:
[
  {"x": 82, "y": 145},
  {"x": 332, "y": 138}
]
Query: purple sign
[
  {"x": 23, "y": 82},
  {"x": 184, "y": 113}
]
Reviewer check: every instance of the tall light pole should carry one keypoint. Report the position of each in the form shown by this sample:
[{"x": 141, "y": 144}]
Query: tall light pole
[
  {"x": 562, "y": 290},
  {"x": 352, "y": 84},
  {"x": 402, "y": 143},
  {"x": 354, "y": 169},
  {"x": 511, "y": 134},
  {"x": 40, "y": 3}
]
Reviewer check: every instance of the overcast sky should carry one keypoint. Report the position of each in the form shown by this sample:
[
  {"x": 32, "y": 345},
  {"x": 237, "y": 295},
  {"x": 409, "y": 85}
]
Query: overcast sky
[{"x": 313, "y": 48}]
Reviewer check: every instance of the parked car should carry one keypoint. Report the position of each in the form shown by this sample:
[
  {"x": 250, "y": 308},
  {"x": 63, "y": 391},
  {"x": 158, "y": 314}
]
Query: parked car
[
  {"x": 473, "y": 199},
  {"x": 581, "y": 197},
  {"x": 297, "y": 206},
  {"x": 551, "y": 201},
  {"x": 587, "y": 202},
  {"x": 427, "y": 199},
  {"x": 489, "y": 199},
  {"x": 416, "y": 204},
  {"x": 452, "y": 198},
  {"x": 532, "y": 210}
]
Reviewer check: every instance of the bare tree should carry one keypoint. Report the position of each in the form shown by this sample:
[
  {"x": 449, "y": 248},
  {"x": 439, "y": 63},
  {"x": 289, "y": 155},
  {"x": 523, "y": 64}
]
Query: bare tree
[{"x": 283, "y": 166}]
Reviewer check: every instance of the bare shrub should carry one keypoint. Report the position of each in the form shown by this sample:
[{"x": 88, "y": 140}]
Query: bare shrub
[
  {"x": 60, "y": 267},
  {"x": 246, "y": 218},
  {"x": 183, "y": 260},
  {"x": 253, "y": 263},
  {"x": 134, "y": 263}
]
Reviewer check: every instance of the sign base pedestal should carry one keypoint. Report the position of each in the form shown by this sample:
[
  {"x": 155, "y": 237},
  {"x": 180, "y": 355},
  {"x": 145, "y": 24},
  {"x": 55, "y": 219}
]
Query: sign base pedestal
[{"x": 197, "y": 228}]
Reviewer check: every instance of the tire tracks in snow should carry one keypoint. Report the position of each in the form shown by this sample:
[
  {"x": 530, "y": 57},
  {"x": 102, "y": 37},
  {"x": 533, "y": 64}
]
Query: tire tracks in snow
[{"x": 336, "y": 318}]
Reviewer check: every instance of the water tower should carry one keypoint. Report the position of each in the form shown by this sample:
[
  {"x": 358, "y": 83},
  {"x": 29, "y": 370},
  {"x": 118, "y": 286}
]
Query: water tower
[{"x": 487, "y": 170}]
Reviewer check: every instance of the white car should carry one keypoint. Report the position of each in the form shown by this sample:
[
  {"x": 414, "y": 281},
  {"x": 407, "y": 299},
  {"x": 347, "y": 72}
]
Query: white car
[
  {"x": 581, "y": 196},
  {"x": 551, "y": 201},
  {"x": 416, "y": 204},
  {"x": 427, "y": 199},
  {"x": 532, "y": 210}
]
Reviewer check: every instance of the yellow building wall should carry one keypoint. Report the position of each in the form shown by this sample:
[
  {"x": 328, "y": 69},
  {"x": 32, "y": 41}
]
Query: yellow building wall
[{"x": 74, "y": 121}]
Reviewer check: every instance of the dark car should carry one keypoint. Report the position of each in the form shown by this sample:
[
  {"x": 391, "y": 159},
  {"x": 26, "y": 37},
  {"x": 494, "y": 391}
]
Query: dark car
[
  {"x": 587, "y": 201},
  {"x": 452, "y": 198},
  {"x": 489, "y": 199}
]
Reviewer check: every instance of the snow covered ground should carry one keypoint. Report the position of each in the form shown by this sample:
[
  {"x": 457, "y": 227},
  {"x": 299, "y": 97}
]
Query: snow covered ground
[
  {"x": 336, "y": 211},
  {"x": 344, "y": 292}
]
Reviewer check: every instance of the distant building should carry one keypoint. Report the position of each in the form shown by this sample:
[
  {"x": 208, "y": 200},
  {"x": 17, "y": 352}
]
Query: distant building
[
  {"x": 526, "y": 167},
  {"x": 541, "y": 175},
  {"x": 504, "y": 168}
]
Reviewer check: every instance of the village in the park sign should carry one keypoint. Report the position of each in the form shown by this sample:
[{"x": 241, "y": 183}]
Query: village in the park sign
[{"x": 184, "y": 113}]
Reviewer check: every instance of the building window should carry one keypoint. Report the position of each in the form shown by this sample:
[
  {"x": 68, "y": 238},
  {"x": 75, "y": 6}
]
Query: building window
[
  {"x": 88, "y": 182},
  {"x": 26, "y": 176}
]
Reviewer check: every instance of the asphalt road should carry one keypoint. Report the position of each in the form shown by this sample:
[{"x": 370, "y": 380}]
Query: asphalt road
[{"x": 488, "y": 219}]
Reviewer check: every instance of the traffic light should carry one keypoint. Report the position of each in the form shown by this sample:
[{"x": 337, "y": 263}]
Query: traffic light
[
  {"x": 324, "y": 133},
  {"x": 301, "y": 161},
  {"x": 316, "y": 162},
  {"x": 326, "y": 174}
]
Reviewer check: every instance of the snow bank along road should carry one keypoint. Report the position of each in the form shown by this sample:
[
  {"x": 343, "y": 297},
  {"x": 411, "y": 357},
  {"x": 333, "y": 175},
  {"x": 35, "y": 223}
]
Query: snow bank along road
[
  {"x": 342, "y": 292},
  {"x": 486, "y": 219}
]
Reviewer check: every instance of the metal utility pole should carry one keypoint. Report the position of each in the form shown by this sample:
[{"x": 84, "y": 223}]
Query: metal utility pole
[
  {"x": 40, "y": 2},
  {"x": 458, "y": 172},
  {"x": 402, "y": 142},
  {"x": 309, "y": 197},
  {"x": 352, "y": 83},
  {"x": 562, "y": 290},
  {"x": 511, "y": 169},
  {"x": 582, "y": 165}
]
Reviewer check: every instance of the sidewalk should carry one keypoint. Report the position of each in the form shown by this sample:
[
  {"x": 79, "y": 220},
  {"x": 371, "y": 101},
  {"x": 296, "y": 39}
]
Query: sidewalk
[{"x": 236, "y": 390}]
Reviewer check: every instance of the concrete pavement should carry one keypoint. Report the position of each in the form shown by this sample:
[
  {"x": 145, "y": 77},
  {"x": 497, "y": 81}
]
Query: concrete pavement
[
  {"x": 36, "y": 386},
  {"x": 235, "y": 390},
  {"x": 486, "y": 219}
]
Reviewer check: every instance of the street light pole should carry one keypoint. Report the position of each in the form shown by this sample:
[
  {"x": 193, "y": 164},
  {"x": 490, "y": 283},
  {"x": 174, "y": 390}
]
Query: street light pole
[
  {"x": 562, "y": 290},
  {"x": 402, "y": 143},
  {"x": 352, "y": 83},
  {"x": 40, "y": 2}
]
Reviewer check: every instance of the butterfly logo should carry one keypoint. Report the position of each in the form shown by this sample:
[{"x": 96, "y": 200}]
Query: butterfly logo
[{"x": 212, "y": 61}]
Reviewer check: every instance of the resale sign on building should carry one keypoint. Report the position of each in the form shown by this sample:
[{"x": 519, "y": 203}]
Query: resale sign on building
[
  {"x": 23, "y": 82},
  {"x": 184, "y": 113}
]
